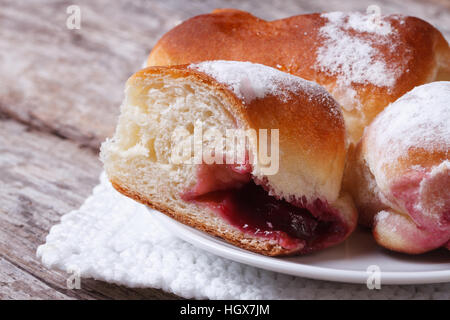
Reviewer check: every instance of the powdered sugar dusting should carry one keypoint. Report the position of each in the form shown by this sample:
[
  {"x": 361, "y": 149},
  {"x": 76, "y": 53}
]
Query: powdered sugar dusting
[
  {"x": 381, "y": 216},
  {"x": 443, "y": 167},
  {"x": 440, "y": 204},
  {"x": 251, "y": 81},
  {"x": 372, "y": 23},
  {"x": 352, "y": 57},
  {"x": 419, "y": 119}
]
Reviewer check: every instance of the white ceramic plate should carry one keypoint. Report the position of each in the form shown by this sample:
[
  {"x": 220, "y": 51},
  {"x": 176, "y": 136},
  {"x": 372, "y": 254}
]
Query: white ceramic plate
[{"x": 347, "y": 262}]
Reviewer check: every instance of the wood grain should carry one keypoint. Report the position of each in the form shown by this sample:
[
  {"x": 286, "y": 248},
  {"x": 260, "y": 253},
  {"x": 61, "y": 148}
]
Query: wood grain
[
  {"x": 70, "y": 82},
  {"x": 42, "y": 177},
  {"x": 60, "y": 92}
]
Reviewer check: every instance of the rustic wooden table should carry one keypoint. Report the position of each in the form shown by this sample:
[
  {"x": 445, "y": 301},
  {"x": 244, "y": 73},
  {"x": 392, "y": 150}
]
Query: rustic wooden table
[{"x": 60, "y": 92}]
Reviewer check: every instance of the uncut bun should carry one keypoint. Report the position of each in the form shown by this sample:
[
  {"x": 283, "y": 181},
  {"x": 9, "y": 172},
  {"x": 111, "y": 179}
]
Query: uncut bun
[
  {"x": 365, "y": 61},
  {"x": 399, "y": 173},
  {"x": 222, "y": 95}
]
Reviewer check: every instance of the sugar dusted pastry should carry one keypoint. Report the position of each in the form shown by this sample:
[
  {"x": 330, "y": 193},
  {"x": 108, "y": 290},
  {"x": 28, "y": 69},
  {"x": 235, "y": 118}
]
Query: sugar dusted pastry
[
  {"x": 293, "y": 207},
  {"x": 399, "y": 173},
  {"x": 365, "y": 61}
]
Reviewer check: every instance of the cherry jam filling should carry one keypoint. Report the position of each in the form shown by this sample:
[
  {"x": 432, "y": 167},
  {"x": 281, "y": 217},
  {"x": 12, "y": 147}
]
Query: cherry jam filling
[{"x": 249, "y": 207}]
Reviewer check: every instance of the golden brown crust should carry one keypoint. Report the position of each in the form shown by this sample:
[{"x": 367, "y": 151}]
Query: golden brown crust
[
  {"x": 311, "y": 130},
  {"x": 235, "y": 238},
  {"x": 290, "y": 45},
  {"x": 139, "y": 78},
  {"x": 312, "y": 145},
  {"x": 310, "y": 136}
]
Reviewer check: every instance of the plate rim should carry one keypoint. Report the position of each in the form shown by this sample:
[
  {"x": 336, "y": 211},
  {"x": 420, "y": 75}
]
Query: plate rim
[{"x": 206, "y": 242}]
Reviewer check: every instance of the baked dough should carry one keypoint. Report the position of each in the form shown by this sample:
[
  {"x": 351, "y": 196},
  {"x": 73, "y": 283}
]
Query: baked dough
[
  {"x": 365, "y": 61},
  {"x": 298, "y": 208},
  {"x": 399, "y": 173}
]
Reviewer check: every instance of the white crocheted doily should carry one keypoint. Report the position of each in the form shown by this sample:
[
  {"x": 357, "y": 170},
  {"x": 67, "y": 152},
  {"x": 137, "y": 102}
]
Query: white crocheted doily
[{"x": 114, "y": 239}]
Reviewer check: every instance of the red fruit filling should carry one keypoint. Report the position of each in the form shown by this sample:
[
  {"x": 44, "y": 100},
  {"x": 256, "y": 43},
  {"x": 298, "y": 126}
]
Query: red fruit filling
[
  {"x": 231, "y": 193},
  {"x": 406, "y": 192}
]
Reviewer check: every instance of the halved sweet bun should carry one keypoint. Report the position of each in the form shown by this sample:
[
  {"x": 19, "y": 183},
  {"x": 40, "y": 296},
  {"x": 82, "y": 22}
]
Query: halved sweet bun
[
  {"x": 289, "y": 206},
  {"x": 399, "y": 173},
  {"x": 365, "y": 61}
]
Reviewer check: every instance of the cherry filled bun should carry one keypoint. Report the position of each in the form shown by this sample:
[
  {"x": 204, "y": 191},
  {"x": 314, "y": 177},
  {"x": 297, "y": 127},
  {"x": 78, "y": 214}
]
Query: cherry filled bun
[
  {"x": 295, "y": 208},
  {"x": 399, "y": 173}
]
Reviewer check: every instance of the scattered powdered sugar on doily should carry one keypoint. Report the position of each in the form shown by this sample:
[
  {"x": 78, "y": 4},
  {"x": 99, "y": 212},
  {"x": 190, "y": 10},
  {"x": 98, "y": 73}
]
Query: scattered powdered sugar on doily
[
  {"x": 115, "y": 239},
  {"x": 419, "y": 119},
  {"x": 250, "y": 81},
  {"x": 352, "y": 57}
]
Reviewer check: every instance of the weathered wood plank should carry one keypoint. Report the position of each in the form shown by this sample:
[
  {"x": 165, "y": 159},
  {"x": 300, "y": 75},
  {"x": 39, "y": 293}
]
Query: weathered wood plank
[
  {"x": 70, "y": 81},
  {"x": 18, "y": 284},
  {"x": 42, "y": 177}
]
